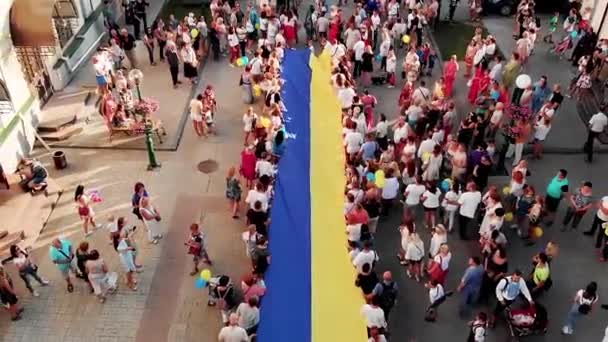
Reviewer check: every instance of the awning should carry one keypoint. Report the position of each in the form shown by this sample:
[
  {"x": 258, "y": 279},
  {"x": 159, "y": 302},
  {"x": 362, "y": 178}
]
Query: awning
[{"x": 32, "y": 23}]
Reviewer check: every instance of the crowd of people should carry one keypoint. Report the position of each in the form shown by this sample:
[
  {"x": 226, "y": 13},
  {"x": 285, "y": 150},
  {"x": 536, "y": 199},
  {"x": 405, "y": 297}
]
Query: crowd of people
[{"x": 426, "y": 162}]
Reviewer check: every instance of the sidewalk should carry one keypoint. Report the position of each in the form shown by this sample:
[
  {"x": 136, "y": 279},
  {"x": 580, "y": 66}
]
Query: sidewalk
[
  {"x": 166, "y": 306},
  {"x": 156, "y": 84}
]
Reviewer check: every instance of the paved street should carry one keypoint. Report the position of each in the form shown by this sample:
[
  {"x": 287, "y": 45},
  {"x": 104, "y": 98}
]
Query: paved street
[{"x": 167, "y": 307}]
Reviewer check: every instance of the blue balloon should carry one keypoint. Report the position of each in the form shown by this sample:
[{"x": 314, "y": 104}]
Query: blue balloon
[
  {"x": 445, "y": 186},
  {"x": 574, "y": 34},
  {"x": 245, "y": 60},
  {"x": 200, "y": 283},
  {"x": 370, "y": 177},
  {"x": 378, "y": 57}
]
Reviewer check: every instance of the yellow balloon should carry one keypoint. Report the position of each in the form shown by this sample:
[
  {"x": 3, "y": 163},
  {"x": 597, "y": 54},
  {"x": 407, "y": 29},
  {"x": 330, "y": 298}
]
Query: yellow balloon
[
  {"x": 506, "y": 190},
  {"x": 257, "y": 90},
  {"x": 257, "y": 26},
  {"x": 509, "y": 217},
  {"x": 194, "y": 33},
  {"x": 405, "y": 39},
  {"x": 265, "y": 122},
  {"x": 379, "y": 178},
  {"x": 205, "y": 275},
  {"x": 537, "y": 232}
]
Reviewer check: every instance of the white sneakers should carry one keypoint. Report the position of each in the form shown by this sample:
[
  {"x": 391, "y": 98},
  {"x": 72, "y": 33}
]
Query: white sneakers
[{"x": 566, "y": 330}]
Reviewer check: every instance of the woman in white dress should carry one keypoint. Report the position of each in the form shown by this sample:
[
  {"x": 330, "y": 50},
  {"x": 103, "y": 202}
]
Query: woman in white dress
[
  {"x": 126, "y": 252},
  {"x": 433, "y": 165},
  {"x": 100, "y": 278},
  {"x": 151, "y": 219},
  {"x": 414, "y": 254},
  {"x": 196, "y": 115}
]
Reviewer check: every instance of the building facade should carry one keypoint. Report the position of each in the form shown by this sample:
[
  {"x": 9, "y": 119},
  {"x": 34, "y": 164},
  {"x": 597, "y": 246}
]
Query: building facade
[{"x": 43, "y": 43}]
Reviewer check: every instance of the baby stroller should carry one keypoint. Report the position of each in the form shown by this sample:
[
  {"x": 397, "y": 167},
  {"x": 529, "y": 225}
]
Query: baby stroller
[{"x": 531, "y": 320}]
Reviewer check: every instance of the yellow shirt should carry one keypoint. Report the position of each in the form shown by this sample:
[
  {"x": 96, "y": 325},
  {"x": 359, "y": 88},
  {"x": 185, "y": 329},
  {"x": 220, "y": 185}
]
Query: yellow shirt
[{"x": 541, "y": 274}]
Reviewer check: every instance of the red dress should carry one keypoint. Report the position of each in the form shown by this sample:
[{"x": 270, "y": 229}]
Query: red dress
[
  {"x": 248, "y": 161},
  {"x": 479, "y": 83},
  {"x": 289, "y": 30},
  {"x": 369, "y": 101},
  {"x": 449, "y": 76},
  {"x": 405, "y": 97}
]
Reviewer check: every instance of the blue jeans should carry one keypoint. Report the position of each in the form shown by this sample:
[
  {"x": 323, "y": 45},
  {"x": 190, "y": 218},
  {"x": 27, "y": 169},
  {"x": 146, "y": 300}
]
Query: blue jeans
[
  {"x": 468, "y": 299},
  {"x": 573, "y": 316}
]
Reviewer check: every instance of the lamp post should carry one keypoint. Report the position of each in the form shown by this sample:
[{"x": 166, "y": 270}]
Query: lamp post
[
  {"x": 152, "y": 162},
  {"x": 136, "y": 76}
]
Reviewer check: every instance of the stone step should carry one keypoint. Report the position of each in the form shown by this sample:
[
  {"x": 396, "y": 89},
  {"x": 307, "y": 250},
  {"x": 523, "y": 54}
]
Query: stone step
[
  {"x": 57, "y": 124},
  {"x": 62, "y": 134}
]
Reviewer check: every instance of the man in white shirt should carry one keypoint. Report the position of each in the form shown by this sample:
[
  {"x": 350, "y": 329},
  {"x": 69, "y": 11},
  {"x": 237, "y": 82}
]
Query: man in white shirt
[
  {"x": 468, "y": 206},
  {"x": 413, "y": 192},
  {"x": 263, "y": 167},
  {"x": 255, "y": 195},
  {"x": 496, "y": 71},
  {"x": 507, "y": 290},
  {"x": 359, "y": 49},
  {"x": 232, "y": 332},
  {"x": 597, "y": 124},
  {"x": 353, "y": 142},
  {"x": 346, "y": 96},
  {"x": 601, "y": 217},
  {"x": 249, "y": 314},
  {"x": 373, "y": 314},
  {"x": 400, "y": 131},
  {"x": 414, "y": 112},
  {"x": 422, "y": 94},
  {"x": 365, "y": 256},
  {"x": 322, "y": 26},
  {"x": 426, "y": 146}
]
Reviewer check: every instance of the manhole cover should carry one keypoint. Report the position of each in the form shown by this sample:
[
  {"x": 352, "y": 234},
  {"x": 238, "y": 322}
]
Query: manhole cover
[{"x": 208, "y": 166}]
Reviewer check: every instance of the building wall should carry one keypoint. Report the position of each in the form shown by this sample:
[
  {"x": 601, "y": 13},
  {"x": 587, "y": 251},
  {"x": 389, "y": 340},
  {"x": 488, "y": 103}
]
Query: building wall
[
  {"x": 599, "y": 14},
  {"x": 17, "y": 127},
  {"x": 20, "y": 140}
]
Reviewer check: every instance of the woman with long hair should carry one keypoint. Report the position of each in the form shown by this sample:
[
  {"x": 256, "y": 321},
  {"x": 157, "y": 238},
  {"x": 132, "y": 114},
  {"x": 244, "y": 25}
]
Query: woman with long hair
[
  {"x": 126, "y": 251},
  {"x": 85, "y": 211},
  {"x": 26, "y": 267},
  {"x": 582, "y": 304},
  {"x": 414, "y": 254},
  {"x": 430, "y": 203},
  {"x": 101, "y": 279},
  {"x": 233, "y": 191},
  {"x": 439, "y": 266}
]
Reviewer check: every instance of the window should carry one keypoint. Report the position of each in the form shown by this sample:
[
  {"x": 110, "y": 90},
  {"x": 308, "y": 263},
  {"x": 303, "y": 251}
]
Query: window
[
  {"x": 64, "y": 9},
  {"x": 65, "y": 20}
]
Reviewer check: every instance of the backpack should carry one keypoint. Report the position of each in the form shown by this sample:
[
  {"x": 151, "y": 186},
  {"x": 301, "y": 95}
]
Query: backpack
[
  {"x": 365, "y": 234},
  {"x": 388, "y": 297}
]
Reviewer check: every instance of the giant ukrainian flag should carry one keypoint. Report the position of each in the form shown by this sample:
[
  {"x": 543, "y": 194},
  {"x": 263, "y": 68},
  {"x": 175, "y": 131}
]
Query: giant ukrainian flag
[{"x": 311, "y": 293}]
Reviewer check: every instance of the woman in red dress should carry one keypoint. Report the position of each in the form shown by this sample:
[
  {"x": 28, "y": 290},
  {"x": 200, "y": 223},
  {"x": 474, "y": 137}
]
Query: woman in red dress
[
  {"x": 405, "y": 98},
  {"x": 247, "y": 170},
  {"x": 334, "y": 29},
  {"x": 479, "y": 84},
  {"x": 369, "y": 102},
  {"x": 449, "y": 75},
  {"x": 290, "y": 29}
]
